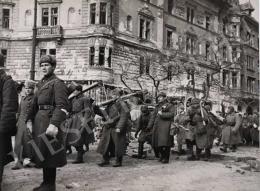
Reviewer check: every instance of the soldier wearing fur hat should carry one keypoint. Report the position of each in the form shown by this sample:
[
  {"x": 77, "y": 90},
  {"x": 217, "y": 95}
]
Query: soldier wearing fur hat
[
  {"x": 230, "y": 133},
  {"x": 23, "y": 149},
  {"x": 82, "y": 121},
  {"x": 8, "y": 109},
  {"x": 49, "y": 110},
  {"x": 113, "y": 139},
  {"x": 160, "y": 122}
]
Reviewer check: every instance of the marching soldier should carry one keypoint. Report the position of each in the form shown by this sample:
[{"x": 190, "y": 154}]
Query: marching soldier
[
  {"x": 145, "y": 133},
  {"x": 113, "y": 139},
  {"x": 8, "y": 109},
  {"x": 49, "y": 110},
  {"x": 254, "y": 131},
  {"x": 160, "y": 122},
  {"x": 211, "y": 127},
  {"x": 23, "y": 149},
  {"x": 82, "y": 120},
  {"x": 230, "y": 133},
  {"x": 197, "y": 116}
]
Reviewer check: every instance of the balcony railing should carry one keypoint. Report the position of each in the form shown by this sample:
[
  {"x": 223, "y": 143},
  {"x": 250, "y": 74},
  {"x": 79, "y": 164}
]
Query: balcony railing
[{"x": 49, "y": 31}]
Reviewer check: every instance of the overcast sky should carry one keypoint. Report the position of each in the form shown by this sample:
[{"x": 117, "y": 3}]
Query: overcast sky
[{"x": 255, "y": 4}]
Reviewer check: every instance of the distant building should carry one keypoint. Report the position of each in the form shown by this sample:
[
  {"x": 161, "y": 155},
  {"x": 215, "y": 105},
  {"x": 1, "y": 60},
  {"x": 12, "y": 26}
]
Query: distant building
[{"x": 98, "y": 39}]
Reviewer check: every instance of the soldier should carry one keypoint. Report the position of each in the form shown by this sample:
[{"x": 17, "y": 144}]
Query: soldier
[
  {"x": 49, "y": 110},
  {"x": 230, "y": 133},
  {"x": 145, "y": 133},
  {"x": 113, "y": 139},
  {"x": 82, "y": 120},
  {"x": 23, "y": 149},
  {"x": 212, "y": 124},
  {"x": 198, "y": 128},
  {"x": 160, "y": 122},
  {"x": 180, "y": 121},
  {"x": 254, "y": 131},
  {"x": 8, "y": 109}
]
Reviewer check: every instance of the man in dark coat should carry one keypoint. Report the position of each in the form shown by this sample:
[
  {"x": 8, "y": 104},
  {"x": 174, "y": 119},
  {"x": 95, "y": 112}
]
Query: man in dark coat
[
  {"x": 113, "y": 139},
  {"x": 198, "y": 118},
  {"x": 23, "y": 149},
  {"x": 160, "y": 121},
  {"x": 8, "y": 109},
  {"x": 145, "y": 133},
  {"x": 230, "y": 133},
  {"x": 49, "y": 110},
  {"x": 81, "y": 120}
]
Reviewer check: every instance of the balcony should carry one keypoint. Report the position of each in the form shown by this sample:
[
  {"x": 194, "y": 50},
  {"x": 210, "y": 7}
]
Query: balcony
[
  {"x": 7, "y": 2},
  {"x": 49, "y": 31}
]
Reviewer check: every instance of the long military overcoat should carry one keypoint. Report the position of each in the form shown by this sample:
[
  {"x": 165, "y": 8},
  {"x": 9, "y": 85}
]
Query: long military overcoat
[
  {"x": 23, "y": 149},
  {"x": 161, "y": 125},
  {"x": 119, "y": 114},
  {"x": 230, "y": 132},
  {"x": 82, "y": 122},
  {"x": 49, "y": 152},
  {"x": 8, "y": 110}
]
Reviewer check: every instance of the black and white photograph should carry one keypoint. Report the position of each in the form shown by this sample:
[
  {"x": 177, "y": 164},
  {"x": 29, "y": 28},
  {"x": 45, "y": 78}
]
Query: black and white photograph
[{"x": 129, "y": 95}]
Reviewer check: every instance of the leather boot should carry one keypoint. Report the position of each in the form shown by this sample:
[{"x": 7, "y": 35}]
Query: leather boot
[
  {"x": 79, "y": 158},
  {"x": 105, "y": 162},
  {"x": 118, "y": 162}
]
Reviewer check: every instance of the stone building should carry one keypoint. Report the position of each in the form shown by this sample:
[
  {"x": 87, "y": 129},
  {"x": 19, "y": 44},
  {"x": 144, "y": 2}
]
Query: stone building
[{"x": 139, "y": 42}]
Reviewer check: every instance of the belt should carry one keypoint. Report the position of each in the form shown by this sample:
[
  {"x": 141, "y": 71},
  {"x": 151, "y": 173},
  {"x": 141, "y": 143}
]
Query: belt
[{"x": 46, "y": 107}]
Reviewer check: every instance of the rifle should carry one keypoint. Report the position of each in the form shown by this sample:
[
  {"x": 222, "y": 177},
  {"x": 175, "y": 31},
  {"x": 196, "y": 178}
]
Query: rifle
[
  {"x": 87, "y": 89},
  {"x": 124, "y": 97}
]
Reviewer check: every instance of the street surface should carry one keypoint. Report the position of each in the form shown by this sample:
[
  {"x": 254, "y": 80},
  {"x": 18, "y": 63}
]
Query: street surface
[{"x": 223, "y": 173}]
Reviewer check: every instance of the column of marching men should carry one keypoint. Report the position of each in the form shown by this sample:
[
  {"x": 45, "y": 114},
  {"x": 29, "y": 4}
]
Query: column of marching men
[{"x": 52, "y": 118}]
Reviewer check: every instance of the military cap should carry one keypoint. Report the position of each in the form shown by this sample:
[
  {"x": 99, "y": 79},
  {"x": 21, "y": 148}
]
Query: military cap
[
  {"x": 161, "y": 94},
  {"x": 29, "y": 84},
  {"x": 48, "y": 59}
]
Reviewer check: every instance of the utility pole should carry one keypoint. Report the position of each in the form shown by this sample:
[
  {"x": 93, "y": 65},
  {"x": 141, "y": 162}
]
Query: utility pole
[{"x": 32, "y": 71}]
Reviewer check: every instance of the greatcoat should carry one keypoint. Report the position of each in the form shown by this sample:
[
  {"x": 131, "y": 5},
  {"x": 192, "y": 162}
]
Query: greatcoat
[
  {"x": 8, "y": 109},
  {"x": 230, "y": 132},
  {"x": 49, "y": 107},
  {"x": 82, "y": 122},
  {"x": 161, "y": 125},
  {"x": 23, "y": 148},
  {"x": 119, "y": 115}
]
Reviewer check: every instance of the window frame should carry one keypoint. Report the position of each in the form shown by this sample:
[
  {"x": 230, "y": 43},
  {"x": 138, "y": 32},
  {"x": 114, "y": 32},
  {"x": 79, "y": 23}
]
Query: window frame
[
  {"x": 92, "y": 12},
  {"x": 6, "y": 18}
]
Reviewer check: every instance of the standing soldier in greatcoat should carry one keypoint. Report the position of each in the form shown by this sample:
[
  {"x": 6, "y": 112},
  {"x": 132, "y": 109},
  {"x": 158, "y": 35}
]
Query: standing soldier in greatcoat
[
  {"x": 113, "y": 139},
  {"x": 230, "y": 133},
  {"x": 8, "y": 109},
  {"x": 49, "y": 110},
  {"x": 23, "y": 148},
  {"x": 145, "y": 133},
  {"x": 82, "y": 120},
  {"x": 160, "y": 122}
]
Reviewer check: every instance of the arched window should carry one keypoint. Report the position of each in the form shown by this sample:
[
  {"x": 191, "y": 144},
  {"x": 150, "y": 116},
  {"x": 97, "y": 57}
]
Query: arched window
[
  {"x": 129, "y": 24},
  {"x": 71, "y": 16},
  {"x": 28, "y": 18}
]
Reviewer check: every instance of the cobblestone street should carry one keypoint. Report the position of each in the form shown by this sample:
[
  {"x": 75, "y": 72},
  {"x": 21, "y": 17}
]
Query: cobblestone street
[{"x": 222, "y": 173}]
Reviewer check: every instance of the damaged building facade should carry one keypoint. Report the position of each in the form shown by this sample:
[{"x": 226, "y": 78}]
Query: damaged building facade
[{"x": 141, "y": 43}]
